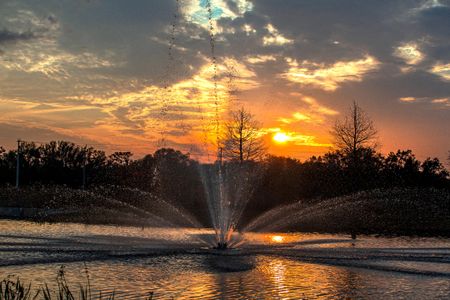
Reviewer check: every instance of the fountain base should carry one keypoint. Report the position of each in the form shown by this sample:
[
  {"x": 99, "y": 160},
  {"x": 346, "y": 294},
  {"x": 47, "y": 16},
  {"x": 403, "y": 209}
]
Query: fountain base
[{"x": 221, "y": 246}]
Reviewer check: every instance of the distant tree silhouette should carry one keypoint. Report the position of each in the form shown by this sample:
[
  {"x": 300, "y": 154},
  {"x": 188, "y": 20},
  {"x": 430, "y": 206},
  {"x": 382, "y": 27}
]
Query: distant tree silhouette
[
  {"x": 355, "y": 136},
  {"x": 355, "y": 131},
  {"x": 173, "y": 176},
  {"x": 402, "y": 168},
  {"x": 242, "y": 138},
  {"x": 433, "y": 172},
  {"x": 120, "y": 158}
]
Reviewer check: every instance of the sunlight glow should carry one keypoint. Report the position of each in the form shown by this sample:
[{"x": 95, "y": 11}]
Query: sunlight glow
[
  {"x": 277, "y": 239},
  {"x": 281, "y": 137}
]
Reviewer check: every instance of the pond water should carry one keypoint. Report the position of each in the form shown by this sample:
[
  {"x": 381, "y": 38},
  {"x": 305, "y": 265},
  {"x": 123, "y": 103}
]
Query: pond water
[{"x": 175, "y": 263}]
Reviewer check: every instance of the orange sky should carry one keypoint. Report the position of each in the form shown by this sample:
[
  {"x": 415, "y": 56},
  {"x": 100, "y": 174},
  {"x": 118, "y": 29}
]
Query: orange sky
[{"x": 131, "y": 76}]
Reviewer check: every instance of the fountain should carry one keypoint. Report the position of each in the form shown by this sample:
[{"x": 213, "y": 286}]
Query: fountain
[
  {"x": 173, "y": 239},
  {"x": 228, "y": 187}
]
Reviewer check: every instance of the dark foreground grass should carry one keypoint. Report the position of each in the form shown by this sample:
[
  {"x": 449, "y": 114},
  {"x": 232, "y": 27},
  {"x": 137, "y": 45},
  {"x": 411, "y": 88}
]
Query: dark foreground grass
[{"x": 15, "y": 289}]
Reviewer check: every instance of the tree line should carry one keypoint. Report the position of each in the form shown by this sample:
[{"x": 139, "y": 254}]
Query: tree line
[{"x": 353, "y": 166}]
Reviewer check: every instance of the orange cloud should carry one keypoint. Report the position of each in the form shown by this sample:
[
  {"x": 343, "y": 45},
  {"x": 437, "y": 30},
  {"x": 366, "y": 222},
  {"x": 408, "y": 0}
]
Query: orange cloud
[{"x": 329, "y": 77}]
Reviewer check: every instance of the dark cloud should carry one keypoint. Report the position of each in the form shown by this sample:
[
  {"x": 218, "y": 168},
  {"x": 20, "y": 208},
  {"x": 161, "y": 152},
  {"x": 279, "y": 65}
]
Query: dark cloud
[
  {"x": 8, "y": 36},
  {"x": 436, "y": 21},
  {"x": 11, "y": 132}
]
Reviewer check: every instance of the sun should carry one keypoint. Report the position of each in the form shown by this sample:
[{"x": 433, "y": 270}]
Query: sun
[
  {"x": 280, "y": 137},
  {"x": 277, "y": 238}
]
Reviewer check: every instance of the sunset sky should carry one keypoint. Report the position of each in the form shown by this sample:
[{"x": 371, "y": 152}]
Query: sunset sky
[{"x": 138, "y": 75}]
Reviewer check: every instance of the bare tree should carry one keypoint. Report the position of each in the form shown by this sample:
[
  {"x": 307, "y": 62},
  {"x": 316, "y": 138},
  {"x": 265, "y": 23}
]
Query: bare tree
[
  {"x": 355, "y": 131},
  {"x": 242, "y": 138}
]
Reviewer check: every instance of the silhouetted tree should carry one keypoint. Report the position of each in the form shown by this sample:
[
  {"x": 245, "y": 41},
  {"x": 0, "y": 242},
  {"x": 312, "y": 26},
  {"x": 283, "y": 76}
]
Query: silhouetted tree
[
  {"x": 142, "y": 174},
  {"x": 355, "y": 136},
  {"x": 120, "y": 158},
  {"x": 280, "y": 184},
  {"x": 433, "y": 172},
  {"x": 355, "y": 131},
  {"x": 242, "y": 138},
  {"x": 175, "y": 177},
  {"x": 401, "y": 168}
]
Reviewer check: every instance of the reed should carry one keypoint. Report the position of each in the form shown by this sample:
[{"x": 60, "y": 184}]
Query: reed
[{"x": 15, "y": 289}]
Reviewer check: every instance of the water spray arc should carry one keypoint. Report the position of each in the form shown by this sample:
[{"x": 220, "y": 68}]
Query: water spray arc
[
  {"x": 222, "y": 210},
  {"x": 226, "y": 184}
]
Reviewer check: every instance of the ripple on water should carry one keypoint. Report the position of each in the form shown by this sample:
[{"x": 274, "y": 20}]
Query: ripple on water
[
  {"x": 27, "y": 246},
  {"x": 189, "y": 276}
]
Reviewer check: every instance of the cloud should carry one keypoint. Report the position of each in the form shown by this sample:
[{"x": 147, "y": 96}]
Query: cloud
[
  {"x": 444, "y": 102},
  {"x": 248, "y": 29},
  {"x": 410, "y": 53},
  {"x": 440, "y": 100},
  {"x": 295, "y": 117},
  {"x": 257, "y": 59},
  {"x": 44, "y": 54},
  {"x": 312, "y": 112},
  {"x": 329, "y": 77},
  {"x": 274, "y": 37},
  {"x": 196, "y": 11},
  {"x": 408, "y": 99},
  {"x": 7, "y": 36},
  {"x": 442, "y": 70},
  {"x": 190, "y": 104}
]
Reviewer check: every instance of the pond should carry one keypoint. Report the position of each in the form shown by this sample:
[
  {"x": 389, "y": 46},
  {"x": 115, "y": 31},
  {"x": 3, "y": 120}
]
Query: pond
[{"x": 176, "y": 263}]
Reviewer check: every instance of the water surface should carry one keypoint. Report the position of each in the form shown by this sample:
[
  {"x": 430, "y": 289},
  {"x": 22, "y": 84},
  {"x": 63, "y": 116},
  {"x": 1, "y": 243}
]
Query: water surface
[{"x": 174, "y": 263}]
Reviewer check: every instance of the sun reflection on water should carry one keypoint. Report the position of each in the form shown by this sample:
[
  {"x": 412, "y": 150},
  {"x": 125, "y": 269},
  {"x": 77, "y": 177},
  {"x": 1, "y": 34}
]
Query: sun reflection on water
[{"x": 192, "y": 276}]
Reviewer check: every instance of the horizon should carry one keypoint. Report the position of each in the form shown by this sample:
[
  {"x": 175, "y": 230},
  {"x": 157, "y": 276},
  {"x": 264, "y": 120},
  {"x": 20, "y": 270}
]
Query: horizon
[
  {"x": 224, "y": 149},
  {"x": 135, "y": 77},
  {"x": 211, "y": 158}
]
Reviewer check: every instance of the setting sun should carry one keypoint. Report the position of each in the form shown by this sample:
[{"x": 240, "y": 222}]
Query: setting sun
[
  {"x": 277, "y": 239},
  {"x": 246, "y": 148},
  {"x": 281, "y": 137}
]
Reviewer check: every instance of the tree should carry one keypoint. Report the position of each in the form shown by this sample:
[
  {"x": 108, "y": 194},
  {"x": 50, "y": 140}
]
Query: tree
[
  {"x": 242, "y": 140},
  {"x": 355, "y": 137},
  {"x": 355, "y": 132},
  {"x": 120, "y": 158},
  {"x": 401, "y": 168},
  {"x": 433, "y": 172}
]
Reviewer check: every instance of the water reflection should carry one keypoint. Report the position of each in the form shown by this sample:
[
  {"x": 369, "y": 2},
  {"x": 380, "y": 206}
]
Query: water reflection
[
  {"x": 119, "y": 258},
  {"x": 188, "y": 277}
]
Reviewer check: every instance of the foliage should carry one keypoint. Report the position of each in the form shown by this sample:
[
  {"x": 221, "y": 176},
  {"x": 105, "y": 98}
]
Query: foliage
[{"x": 143, "y": 191}]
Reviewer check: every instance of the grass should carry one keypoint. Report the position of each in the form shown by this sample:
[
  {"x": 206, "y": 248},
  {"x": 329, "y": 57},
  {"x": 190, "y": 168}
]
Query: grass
[{"x": 14, "y": 289}]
